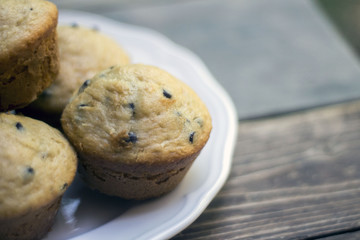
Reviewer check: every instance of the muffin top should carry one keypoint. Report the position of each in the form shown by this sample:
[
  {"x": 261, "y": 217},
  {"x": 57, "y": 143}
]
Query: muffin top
[
  {"x": 136, "y": 114},
  {"x": 37, "y": 164},
  {"x": 83, "y": 52},
  {"x": 22, "y": 23}
]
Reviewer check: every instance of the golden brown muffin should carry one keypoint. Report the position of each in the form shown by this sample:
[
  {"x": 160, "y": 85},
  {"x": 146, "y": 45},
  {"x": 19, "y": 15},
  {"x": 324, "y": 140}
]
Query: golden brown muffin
[
  {"x": 37, "y": 165},
  {"x": 28, "y": 50},
  {"x": 83, "y": 53},
  {"x": 137, "y": 130}
]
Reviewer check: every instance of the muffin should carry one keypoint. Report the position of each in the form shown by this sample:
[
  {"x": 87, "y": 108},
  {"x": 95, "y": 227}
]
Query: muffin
[
  {"x": 37, "y": 165},
  {"x": 137, "y": 130},
  {"x": 28, "y": 50},
  {"x": 83, "y": 53}
]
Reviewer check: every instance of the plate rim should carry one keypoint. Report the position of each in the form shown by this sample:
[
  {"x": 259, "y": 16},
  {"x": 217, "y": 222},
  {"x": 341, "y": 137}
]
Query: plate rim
[{"x": 213, "y": 84}]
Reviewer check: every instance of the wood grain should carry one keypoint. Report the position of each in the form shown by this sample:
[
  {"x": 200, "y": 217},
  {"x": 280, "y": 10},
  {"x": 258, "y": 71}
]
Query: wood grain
[{"x": 293, "y": 177}]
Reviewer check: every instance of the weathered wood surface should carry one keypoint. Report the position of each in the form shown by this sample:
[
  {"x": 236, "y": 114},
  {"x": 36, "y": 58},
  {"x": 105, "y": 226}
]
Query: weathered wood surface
[{"x": 293, "y": 177}]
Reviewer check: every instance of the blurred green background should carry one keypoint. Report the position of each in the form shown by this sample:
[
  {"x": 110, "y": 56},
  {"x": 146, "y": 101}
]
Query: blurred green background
[{"x": 345, "y": 16}]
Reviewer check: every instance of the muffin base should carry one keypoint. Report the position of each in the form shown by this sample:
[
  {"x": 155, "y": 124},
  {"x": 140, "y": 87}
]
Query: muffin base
[
  {"x": 33, "y": 225},
  {"x": 135, "y": 181}
]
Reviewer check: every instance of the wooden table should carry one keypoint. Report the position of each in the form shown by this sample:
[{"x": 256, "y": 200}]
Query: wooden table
[{"x": 295, "y": 175}]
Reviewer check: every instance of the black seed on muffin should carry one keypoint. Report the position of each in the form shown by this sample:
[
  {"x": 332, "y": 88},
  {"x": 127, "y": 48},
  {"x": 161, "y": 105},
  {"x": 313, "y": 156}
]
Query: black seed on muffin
[
  {"x": 166, "y": 94},
  {"x": 19, "y": 126},
  {"x": 74, "y": 25},
  {"x": 191, "y": 137},
  {"x": 64, "y": 186},
  {"x": 83, "y": 105},
  {"x": 83, "y": 86},
  {"x": 131, "y": 138},
  {"x": 28, "y": 175},
  {"x": 31, "y": 9},
  {"x": 112, "y": 67},
  {"x": 30, "y": 170},
  {"x": 132, "y": 107}
]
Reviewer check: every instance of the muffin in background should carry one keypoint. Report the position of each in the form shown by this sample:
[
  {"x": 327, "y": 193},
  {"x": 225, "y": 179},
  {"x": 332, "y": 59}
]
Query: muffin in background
[
  {"x": 137, "y": 130},
  {"x": 83, "y": 53},
  {"x": 28, "y": 50},
  {"x": 37, "y": 165}
]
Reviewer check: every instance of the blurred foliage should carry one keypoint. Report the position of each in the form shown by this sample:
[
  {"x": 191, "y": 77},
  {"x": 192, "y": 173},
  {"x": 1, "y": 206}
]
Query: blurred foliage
[{"x": 345, "y": 15}]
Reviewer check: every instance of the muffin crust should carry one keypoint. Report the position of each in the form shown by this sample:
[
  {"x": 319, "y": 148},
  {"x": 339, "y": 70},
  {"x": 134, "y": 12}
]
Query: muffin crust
[
  {"x": 137, "y": 130},
  {"x": 28, "y": 50}
]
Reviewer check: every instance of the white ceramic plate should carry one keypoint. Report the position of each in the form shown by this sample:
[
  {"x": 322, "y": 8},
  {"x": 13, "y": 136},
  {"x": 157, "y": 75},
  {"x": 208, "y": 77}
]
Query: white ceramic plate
[{"x": 87, "y": 215}]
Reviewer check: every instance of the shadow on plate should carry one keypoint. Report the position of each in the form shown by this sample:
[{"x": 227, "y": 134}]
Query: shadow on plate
[{"x": 83, "y": 209}]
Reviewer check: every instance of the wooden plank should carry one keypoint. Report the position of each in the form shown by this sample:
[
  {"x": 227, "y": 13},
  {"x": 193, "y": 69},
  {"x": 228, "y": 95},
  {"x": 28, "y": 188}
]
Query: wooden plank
[
  {"x": 293, "y": 177},
  {"x": 347, "y": 236}
]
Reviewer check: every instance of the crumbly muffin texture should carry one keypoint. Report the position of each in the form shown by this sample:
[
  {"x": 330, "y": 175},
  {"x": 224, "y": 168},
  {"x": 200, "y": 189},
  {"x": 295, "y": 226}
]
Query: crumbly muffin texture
[
  {"x": 28, "y": 50},
  {"x": 83, "y": 52},
  {"x": 136, "y": 114},
  {"x": 37, "y": 164}
]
